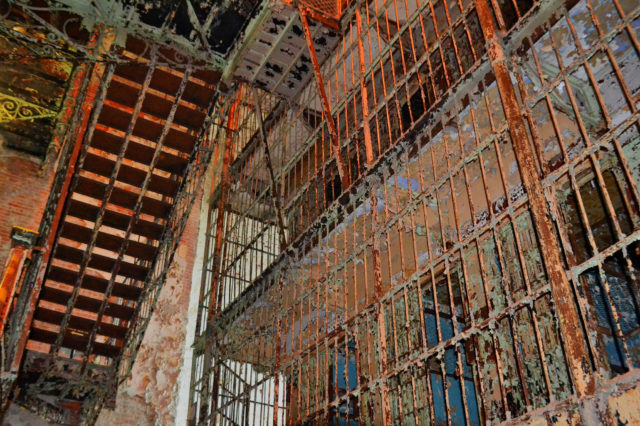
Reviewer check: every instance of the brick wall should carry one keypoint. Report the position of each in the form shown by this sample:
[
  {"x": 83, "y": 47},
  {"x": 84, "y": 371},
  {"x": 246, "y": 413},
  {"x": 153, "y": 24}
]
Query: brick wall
[{"x": 24, "y": 189}]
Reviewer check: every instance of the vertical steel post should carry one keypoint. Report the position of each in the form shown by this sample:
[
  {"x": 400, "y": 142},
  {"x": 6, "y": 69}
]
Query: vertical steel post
[{"x": 575, "y": 342}]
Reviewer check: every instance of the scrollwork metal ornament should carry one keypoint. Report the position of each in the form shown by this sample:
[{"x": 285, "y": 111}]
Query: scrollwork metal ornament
[{"x": 12, "y": 108}]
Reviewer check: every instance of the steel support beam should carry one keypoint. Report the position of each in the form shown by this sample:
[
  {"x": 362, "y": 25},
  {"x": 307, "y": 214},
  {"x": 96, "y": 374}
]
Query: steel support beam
[{"x": 569, "y": 318}]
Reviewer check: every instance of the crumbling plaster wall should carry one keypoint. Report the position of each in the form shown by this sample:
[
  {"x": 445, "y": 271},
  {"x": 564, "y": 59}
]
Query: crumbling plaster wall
[{"x": 148, "y": 397}]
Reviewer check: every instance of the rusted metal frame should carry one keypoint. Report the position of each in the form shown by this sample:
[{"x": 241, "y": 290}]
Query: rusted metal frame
[
  {"x": 29, "y": 11},
  {"x": 439, "y": 36},
  {"x": 69, "y": 187},
  {"x": 430, "y": 81},
  {"x": 323, "y": 97},
  {"x": 434, "y": 266},
  {"x": 510, "y": 299},
  {"x": 413, "y": 51},
  {"x": 84, "y": 91},
  {"x": 320, "y": 16},
  {"x": 606, "y": 142},
  {"x": 276, "y": 197},
  {"x": 242, "y": 157},
  {"x": 396, "y": 87},
  {"x": 587, "y": 319},
  {"x": 136, "y": 213},
  {"x": 595, "y": 166},
  {"x": 419, "y": 358},
  {"x": 450, "y": 30},
  {"x": 632, "y": 187},
  {"x": 491, "y": 325},
  {"x": 502, "y": 27},
  {"x": 414, "y": 396},
  {"x": 593, "y": 160},
  {"x": 402, "y": 53},
  {"x": 371, "y": 68},
  {"x": 276, "y": 367},
  {"x": 577, "y": 270},
  {"x": 359, "y": 374},
  {"x": 534, "y": 316},
  {"x": 577, "y": 352},
  {"x": 417, "y": 14},
  {"x": 86, "y": 258},
  {"x": 479, "y": 374},
  {"x": 12, "y": 275},
  {"x": 387, "y": 226},
  {"x": 87, "y": 51},
  {"x": 621, "y": 341},
  {"x": 456, "y": 330},
  {"x": 506, "y": 283},
  {"x": 407, "y": 208},
  {"x": 214, "y": 296},
  {"x": 542, "y": 166},
  {"x": 382, "y": 339},
  {"x": 578, "y": 62},
  {"x": 623, "y": 84},
  {"x": 246, "y": 247},
  {"x": 632, "y": 35},
  {"x": 205, "y": 271},
  {"x": 607, "y": 49},
  {"x": 493, "y": 237},
  {"x": 404, "y": 78},
  {"x": 380, "y": 63},
  {"x": 598, "y": 258}
]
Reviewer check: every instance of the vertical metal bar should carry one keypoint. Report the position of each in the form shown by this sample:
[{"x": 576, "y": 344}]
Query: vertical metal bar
[{"x": 576, "y": 349}]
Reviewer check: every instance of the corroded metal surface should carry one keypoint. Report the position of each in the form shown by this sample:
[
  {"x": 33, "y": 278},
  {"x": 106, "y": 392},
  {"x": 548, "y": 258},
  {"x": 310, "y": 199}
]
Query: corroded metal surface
[{"x": 473, "y": 265}]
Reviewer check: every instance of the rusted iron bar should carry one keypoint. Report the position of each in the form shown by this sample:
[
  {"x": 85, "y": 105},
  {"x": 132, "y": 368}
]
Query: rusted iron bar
[
  {"x": 335, "y": 141},
  {"x": 569, "y": 319},
  {"x": 275, "y": 191},
  {"x": 217, "y": 251}
]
